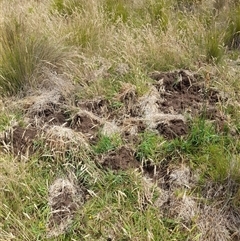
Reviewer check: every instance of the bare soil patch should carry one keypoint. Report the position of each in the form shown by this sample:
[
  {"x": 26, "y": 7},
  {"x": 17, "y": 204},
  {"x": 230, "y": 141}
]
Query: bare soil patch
[
  {"x": 19, "y": 140},
  {"x": 55, "y": 118},
  {"x": 184, "y": 93},
  {"x": 121, "y": 159},
  {"x": 173, "y": 129},
  {"x": 87, "y": 124}
]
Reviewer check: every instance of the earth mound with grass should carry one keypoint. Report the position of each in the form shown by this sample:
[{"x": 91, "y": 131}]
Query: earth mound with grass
[{"x": 174, "y": 100}]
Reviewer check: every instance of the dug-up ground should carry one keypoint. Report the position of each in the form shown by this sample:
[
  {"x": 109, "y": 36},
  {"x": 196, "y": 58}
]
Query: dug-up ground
[{"x": 173, "y": 100}]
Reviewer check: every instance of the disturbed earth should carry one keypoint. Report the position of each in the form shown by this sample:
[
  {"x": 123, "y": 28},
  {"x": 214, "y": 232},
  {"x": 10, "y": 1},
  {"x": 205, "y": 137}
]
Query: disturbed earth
[{"x": 173, "y": 101}]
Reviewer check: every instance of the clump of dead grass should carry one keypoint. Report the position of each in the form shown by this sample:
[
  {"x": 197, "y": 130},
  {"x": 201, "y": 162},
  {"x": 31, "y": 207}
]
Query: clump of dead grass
[{"x": 61, "y": 140}]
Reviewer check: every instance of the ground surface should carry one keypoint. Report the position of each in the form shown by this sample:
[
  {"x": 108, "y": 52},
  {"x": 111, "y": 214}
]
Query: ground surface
[
  {"x": 119, "y": 120},
  {"x": 174, "y": 100}
]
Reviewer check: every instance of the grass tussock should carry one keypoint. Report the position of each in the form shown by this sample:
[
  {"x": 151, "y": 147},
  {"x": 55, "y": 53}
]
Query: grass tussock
[{"x": 23, "y": 54}]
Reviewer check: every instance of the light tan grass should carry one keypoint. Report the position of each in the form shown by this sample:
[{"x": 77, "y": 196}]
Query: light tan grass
[
  {"x": 149, "y": 108},
  {"x": 61, "y": 139},
  {"x": 213, "y": 225},
  {"x": 110, "y": 129}
]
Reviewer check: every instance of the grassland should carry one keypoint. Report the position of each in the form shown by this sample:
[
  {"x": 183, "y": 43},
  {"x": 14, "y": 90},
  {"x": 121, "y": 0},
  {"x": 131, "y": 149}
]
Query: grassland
[{"x": 119, "y": 120}]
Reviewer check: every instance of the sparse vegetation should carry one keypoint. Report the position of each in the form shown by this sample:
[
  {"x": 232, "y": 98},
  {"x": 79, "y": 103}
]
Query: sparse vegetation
[{"x": 119, "y": 120}]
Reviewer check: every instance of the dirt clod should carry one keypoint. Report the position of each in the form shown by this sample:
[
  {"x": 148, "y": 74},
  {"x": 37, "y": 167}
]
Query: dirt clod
[
  {"x": 86, "y": 123},
  {"x": 121, "y": 159},
  {"x": 173, "y": 129}
]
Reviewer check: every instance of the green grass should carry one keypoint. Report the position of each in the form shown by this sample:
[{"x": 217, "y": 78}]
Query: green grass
[
  {"x": 150, "y": 12},
  {"x": 24, "y": 210},
  {"x": 106, "y": 143},
  {"x": 66, "y": 8},
  {"x": 110, "y": 85},
  {"x": 232, "y": 38},
  {"x": 9, "y": 117},
  {"x": 214, "y": 47},
  {"x": 208, "y": 150},
  {"x": 5, "y": 121},
  {"x": 120, "y": 210},
  {"x": 150, "y": 146}
]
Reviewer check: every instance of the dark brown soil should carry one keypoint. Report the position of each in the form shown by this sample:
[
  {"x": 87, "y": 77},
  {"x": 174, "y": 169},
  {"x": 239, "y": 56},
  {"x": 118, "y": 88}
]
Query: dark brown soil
[
  {"x": 51, "y": 113},
  {"x": 173, "y": 129},
  {"x": 103, "y": 108},
  {"x": 121, "y": 159},
  {"x": 20, "y": 140},
  {"x": 64, "y": 199},
  {"x": 184, "y": 93},
  {"x": 56, "y": 118},
  {"x": 85, "y": 124},
  {"x": 64, "y": 204}
]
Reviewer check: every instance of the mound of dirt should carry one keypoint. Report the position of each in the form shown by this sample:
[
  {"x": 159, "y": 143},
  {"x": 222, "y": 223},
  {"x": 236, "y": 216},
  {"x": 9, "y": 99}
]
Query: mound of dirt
[
  {"x": 61, "y": 139},
  {"x": 121, "y": 159},
  {"x": 182, "y": 91},
  {"x": 48, "y": 101},
  {"x": 64, "y": 199},
  {"x": 178, "y": 96},
  {"x": 49, "y": 107}
]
